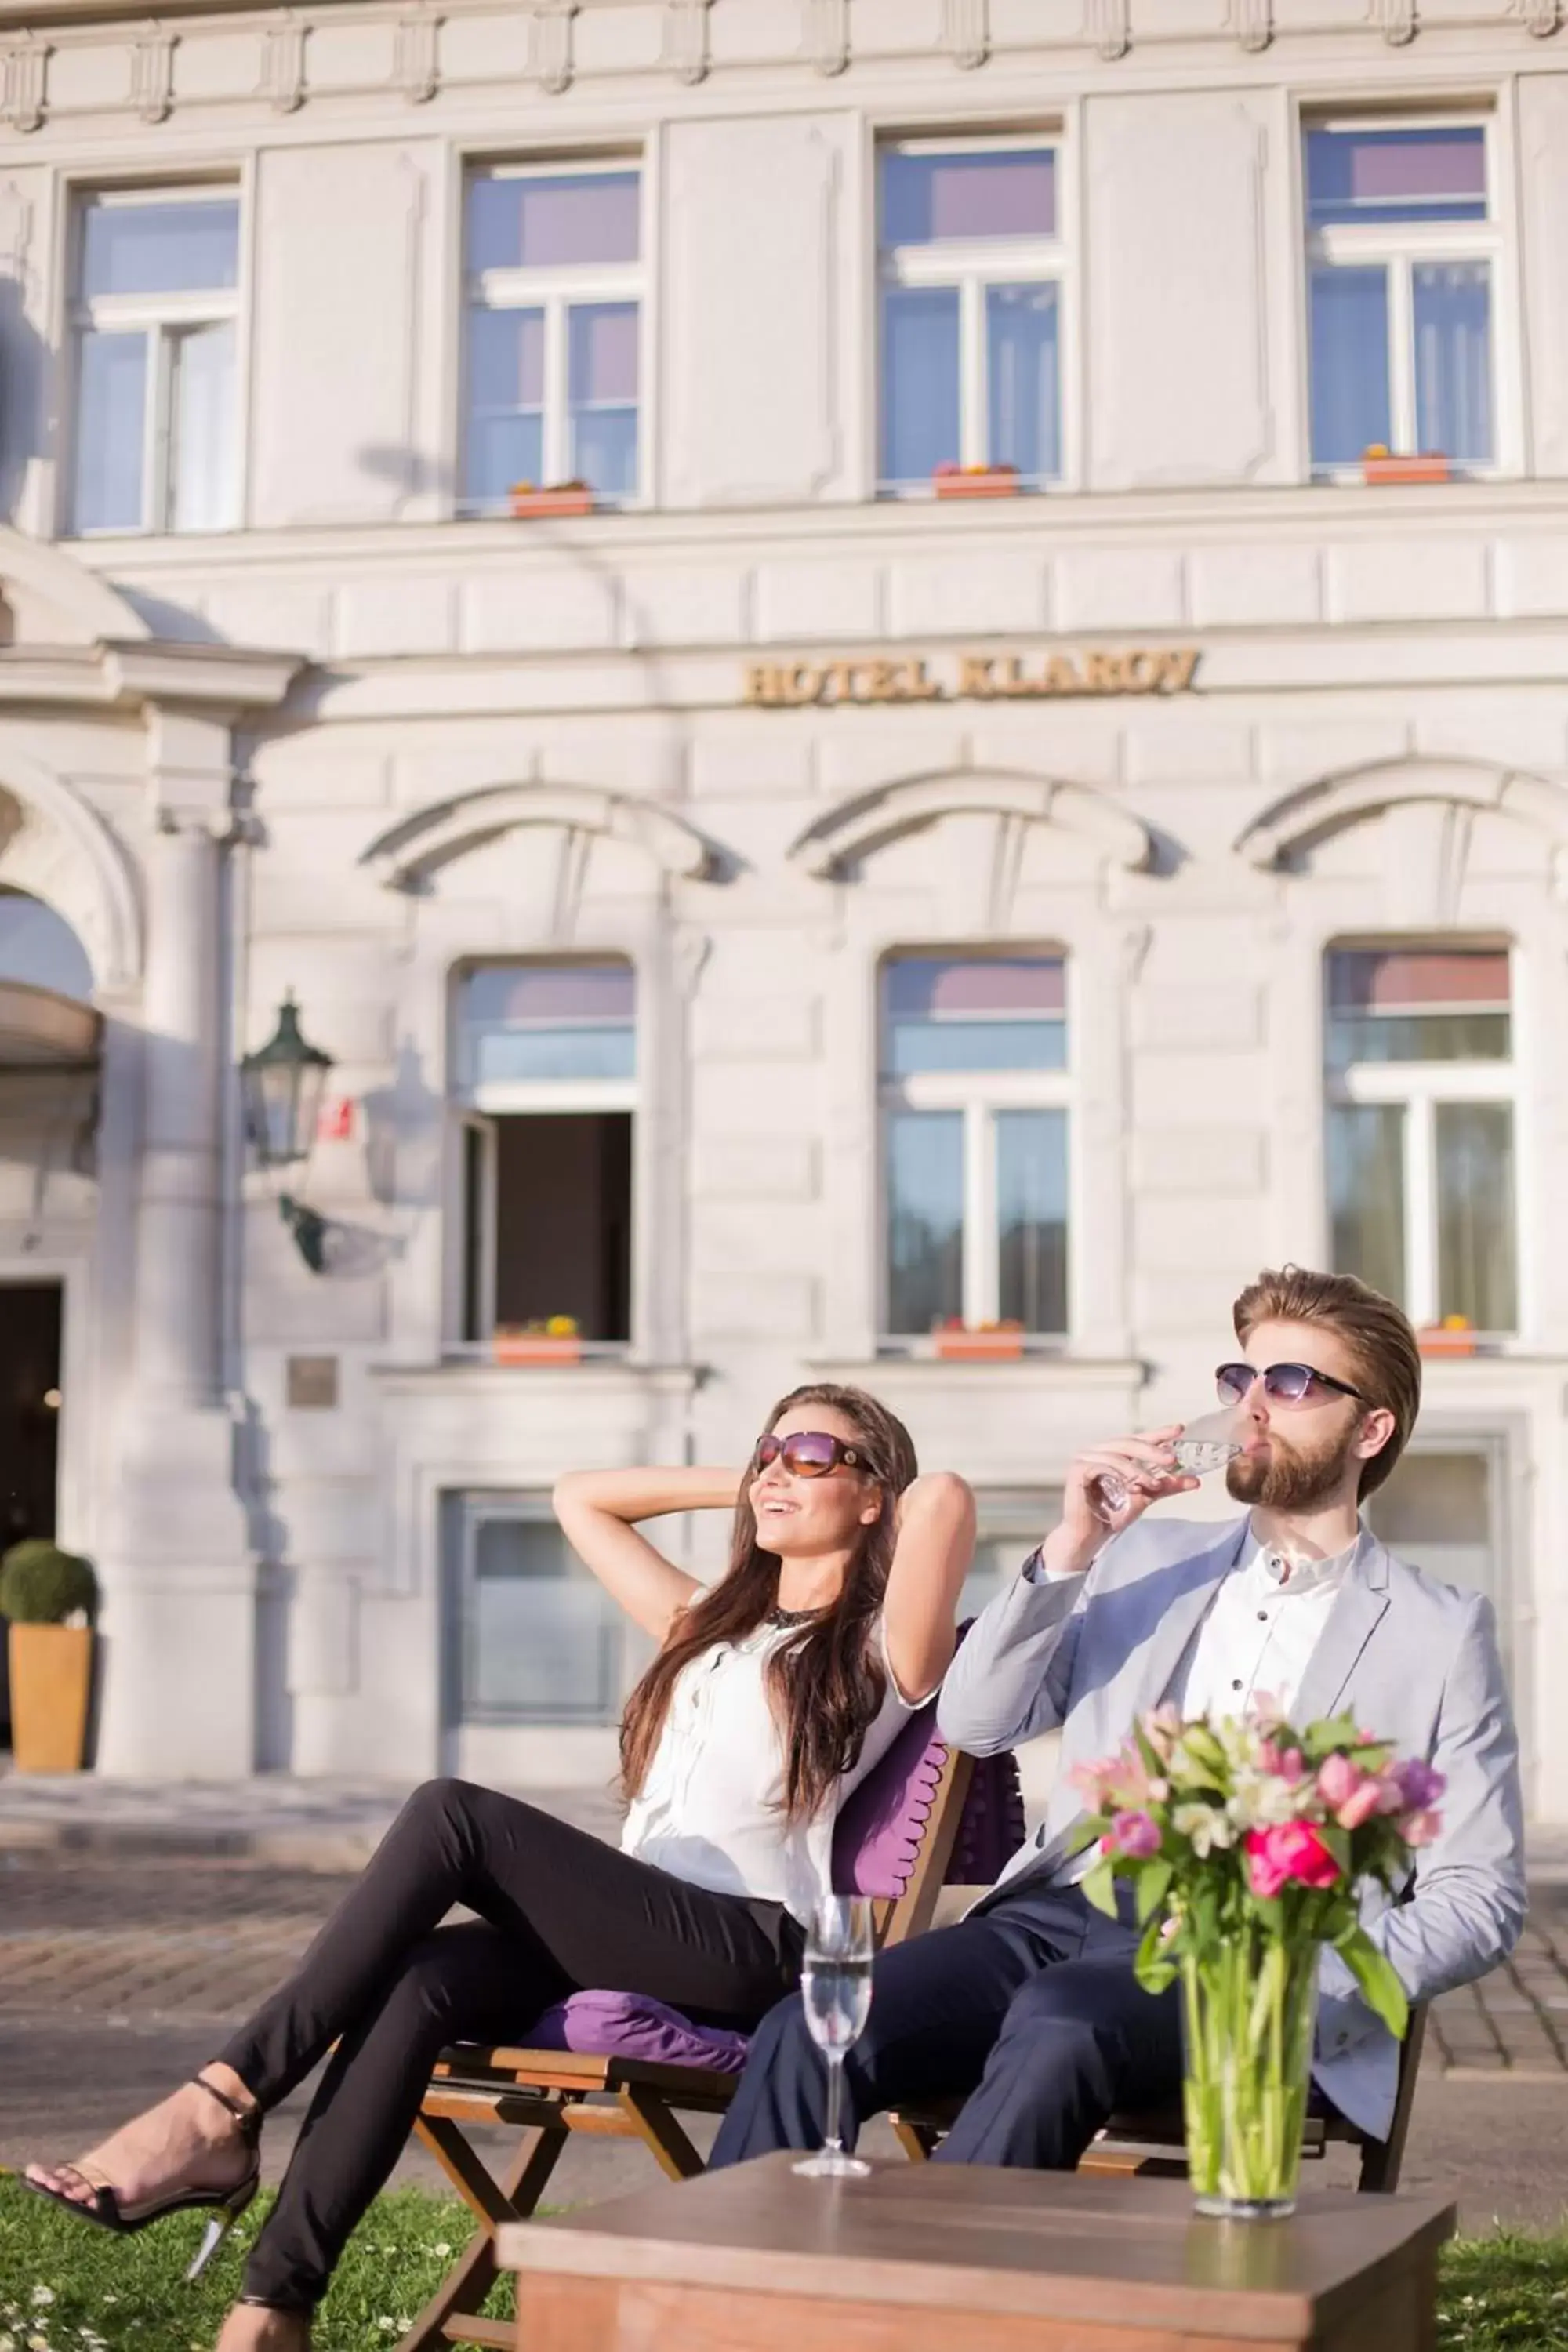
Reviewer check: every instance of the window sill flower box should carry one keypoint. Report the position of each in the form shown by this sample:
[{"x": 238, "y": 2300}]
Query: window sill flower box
[
  {"x": 1453, "y": 1337},
  {"x": 558, "y": 1341},
  {"x": 1380, "y": 466},
  {"x": 982, "y": 1343},
  {"x": 523, "y": 500},
  {"x": 950, "y": 481}
]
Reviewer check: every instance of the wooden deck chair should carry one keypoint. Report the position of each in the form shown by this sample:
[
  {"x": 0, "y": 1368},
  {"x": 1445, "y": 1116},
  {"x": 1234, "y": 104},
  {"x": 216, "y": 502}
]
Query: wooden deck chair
[
  {"x": 620, "y": 2068},
  {"x": 1155, "y": 2142}
]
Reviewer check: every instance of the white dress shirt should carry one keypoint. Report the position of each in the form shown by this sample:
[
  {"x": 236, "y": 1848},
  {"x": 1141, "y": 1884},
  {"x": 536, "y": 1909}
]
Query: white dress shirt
[{"x": 1262, "y": 1630}]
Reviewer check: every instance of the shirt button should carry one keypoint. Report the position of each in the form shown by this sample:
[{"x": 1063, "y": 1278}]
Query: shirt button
[
  {"x": 1263, "y": 1616},
  {"x": 1236, "y": 1685}
]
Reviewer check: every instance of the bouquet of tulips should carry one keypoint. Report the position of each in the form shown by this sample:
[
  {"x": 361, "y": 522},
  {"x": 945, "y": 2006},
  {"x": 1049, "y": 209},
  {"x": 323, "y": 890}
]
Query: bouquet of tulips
[{"x": 1245, "y": 1840}]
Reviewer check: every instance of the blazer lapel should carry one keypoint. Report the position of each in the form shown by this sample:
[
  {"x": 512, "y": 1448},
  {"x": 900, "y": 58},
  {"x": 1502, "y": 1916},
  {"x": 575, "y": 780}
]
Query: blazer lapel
[
  {"x": 1361, "y": 1601},
  {"x": 1202, "y": 1577}
]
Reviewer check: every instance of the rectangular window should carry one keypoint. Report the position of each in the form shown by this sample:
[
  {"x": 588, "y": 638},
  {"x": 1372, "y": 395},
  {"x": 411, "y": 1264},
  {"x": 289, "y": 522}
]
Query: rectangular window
[
  {"x": 1420, "y": 1140},
  {"x": 1010, "y": 1522},
  {"x": 972, "y": 264},
  {"x": 1442, "y": 1510},
  {"x": 554, "y": 331},
  {"x": 545, "y": 1071},
  {"x": 531, "y": 1635},
  {"x": 154, "y": 320},
  {"x": 975, "y": 1099},
  {"x": 1402, "y": 246}
]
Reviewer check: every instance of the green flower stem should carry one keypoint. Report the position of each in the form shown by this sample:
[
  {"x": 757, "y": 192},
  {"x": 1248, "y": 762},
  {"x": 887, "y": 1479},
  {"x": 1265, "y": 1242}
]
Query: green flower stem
[{"x": 1249, "y": 2004}]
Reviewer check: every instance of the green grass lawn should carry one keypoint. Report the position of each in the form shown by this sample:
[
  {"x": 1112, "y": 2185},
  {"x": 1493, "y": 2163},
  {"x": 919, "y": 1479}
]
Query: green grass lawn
[{"x": 66, "y": 2288}]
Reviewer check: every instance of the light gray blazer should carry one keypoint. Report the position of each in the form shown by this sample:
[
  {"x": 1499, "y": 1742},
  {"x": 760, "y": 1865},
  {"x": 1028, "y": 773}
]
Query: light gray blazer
[{"x": 1415, "y": 1660}]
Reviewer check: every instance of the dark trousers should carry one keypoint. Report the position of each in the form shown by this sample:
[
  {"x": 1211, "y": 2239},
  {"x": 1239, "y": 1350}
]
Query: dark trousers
[
  {"x": 1031, "y": 2008},
  {"x": 559, "y": 1912}
]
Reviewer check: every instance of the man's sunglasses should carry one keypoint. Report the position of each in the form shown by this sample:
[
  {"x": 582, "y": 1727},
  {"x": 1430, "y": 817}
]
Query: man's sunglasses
[
  {"x": 807, "y": 1452},
  {"x": 1282, "y": 1384}
]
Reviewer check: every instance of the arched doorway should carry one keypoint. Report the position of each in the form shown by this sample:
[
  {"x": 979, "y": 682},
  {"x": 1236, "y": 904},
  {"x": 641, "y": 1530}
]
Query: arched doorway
[{"x": 50, "y": 1052}]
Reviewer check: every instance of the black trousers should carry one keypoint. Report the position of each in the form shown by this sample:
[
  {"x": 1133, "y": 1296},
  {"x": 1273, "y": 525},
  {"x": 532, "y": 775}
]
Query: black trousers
[
  {"x": 559, "y": 1912},
  {"x": 1031, "y": 2008}
]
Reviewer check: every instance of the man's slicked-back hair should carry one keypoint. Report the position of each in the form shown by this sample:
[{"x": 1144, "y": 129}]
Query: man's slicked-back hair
[{"x": 1378, "y": 1335}]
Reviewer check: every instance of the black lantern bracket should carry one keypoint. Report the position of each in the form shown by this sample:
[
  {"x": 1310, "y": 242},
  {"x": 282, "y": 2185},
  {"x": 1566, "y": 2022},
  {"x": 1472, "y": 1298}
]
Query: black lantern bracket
[{"x": 283, "y": 1082}]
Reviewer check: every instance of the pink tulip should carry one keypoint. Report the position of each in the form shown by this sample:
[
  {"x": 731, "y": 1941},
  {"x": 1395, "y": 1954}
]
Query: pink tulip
[
  {"x": 1136, "y": 1835},
  {"x": 1421, "y": 1829},
  {"x": 1360, "y": 1805},
  {"x": 1293, "y": 1767},
  {"x": 1338, "y": 1781},
  {"x": 1290, "y": 1852}
]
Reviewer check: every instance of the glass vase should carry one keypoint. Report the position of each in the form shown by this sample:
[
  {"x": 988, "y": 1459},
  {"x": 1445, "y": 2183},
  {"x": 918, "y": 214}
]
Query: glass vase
[{"x": 1248, "y": 2009}]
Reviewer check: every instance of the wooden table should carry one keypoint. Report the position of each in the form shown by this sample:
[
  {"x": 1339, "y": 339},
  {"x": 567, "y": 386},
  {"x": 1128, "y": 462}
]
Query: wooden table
[{"x": 952, "y": 2257}]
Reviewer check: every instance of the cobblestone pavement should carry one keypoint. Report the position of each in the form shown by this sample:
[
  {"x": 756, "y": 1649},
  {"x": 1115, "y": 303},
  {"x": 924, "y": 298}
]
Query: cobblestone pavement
[{"x": 118, "y": 1976}]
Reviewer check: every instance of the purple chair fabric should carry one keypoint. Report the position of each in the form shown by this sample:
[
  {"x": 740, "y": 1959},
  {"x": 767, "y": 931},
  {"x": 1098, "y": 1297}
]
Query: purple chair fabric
[{"x": 876, "y": 1840}]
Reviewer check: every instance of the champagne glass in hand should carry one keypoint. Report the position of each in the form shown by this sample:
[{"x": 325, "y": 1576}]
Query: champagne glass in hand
[
  {"x": 1200, "y": 1447},
  {"x": 835, "y": 1986}
]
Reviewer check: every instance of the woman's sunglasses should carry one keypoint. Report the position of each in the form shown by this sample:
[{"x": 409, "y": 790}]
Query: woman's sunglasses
[
  {"x": 1282, "y": 1384},
  {"x": 807, "y": 1452}
]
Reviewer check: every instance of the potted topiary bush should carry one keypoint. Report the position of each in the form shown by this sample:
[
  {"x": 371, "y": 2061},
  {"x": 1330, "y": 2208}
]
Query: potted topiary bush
[{"x": 51, "y": 1598}]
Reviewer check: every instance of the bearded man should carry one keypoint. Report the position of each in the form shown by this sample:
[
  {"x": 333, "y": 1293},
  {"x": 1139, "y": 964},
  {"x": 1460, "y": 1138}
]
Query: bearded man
[{"x": 1029, "y": 2008}]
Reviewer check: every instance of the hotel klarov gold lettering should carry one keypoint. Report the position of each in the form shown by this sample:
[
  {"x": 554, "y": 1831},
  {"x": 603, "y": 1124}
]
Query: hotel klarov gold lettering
[{"x": 970, "y": 677}]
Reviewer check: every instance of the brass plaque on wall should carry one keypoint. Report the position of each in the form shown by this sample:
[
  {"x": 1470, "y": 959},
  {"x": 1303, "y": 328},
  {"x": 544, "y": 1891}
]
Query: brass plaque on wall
[{"x": 312, "y": 1384}]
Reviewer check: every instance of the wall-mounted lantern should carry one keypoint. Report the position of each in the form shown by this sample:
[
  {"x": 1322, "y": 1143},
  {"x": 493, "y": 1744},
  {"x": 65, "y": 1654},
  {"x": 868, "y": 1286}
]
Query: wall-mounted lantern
[{"x": 283, "y": 1082}]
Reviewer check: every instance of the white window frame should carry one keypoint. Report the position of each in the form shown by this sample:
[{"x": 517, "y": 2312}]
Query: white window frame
[
  {"x": 974, "y": 265},
  {"x": 556, "y": 291},
  {"x": 163, "y": 318},
  {"x": 471, "y": 1508},
  {"x": 1420, "y": 1089},
  {"x": 978, "y": 1095},
  {"x": 475, "y": 1111},
  {"x": 1398, "y": 247}
]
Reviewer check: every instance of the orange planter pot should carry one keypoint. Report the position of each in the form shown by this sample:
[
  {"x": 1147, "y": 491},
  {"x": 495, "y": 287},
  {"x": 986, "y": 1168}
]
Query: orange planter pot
[
  {"x": 975, "y": 486},
  {"x": 1406, "y": 469},
  {"x": 535, "y": 1348},
  {"x": 979, "y": 1347},
  {"x": 52, "y": 1682},
  {"x": 1435, "y": 1341},
  {"x": 525, "y": 503}
]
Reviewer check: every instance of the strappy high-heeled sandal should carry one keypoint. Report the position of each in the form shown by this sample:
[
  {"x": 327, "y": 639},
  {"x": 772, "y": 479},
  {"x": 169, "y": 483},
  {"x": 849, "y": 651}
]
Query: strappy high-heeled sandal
[{"x": 106, "y": 2211}]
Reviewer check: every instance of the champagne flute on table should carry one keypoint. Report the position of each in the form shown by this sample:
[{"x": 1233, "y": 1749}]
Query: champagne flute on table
[
  {"x": 1201, "y": 1447},
  {"x": 836, "y": 1987}
]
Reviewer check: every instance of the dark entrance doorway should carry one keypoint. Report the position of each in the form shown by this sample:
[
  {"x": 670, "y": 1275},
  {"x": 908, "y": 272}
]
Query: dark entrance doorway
[{"x": 29, "y": 1422}]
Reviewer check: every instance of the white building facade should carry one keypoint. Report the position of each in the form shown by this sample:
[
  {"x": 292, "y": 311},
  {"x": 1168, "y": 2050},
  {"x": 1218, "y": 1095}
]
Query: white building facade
[{"x": 781, "y": 901}]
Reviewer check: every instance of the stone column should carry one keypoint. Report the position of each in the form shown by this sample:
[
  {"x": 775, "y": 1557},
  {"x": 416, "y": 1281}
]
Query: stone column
[{"x": 180, "y": 1600}]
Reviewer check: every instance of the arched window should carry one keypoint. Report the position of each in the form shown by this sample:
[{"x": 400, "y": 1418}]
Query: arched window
[{"x": 39, "y": 948}]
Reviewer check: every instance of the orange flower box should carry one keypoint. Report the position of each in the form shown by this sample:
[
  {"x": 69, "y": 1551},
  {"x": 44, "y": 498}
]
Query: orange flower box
[
  {"x": 976, "y": 482},
  {"x": 564, "y": 499},
  {"x": 1453, "y": 1337},
  {"x": 511, "y": 1345},
  {"x": 998, "y": 1343},
  {"x": 1379, "y": 466}
]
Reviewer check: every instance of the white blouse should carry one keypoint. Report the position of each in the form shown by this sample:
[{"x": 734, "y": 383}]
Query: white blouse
[{"x": 710, "y": 1810}]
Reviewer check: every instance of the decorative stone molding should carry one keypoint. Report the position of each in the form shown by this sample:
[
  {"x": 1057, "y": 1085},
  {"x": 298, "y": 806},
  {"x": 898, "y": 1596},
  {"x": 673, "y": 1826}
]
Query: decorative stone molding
[
  {"x": 62, "y": 851},
  {"x": 1542, "y": 18},
  {"x": 857, "y": 828},
  {"x": 15, "y": 230},
  {"x": 1294, "y": 825},
  {"x": 1109, "y": 24},
  {"x": 685, "y": 39},
  {"x": 414, "y": 850},
  {"x": 966, "y": 31},
  {"x": 417, "y": 64},
  {"x": 1252, "y": 22},
  {"x": 827, "y": 35},
  {"x": 153, "y": 75},
  {"x": 550, "y": 44},
  {"x": 24, "y": 66},
  {"x": 1396, "y": 20},
  {"x": 283, "y": 65}
]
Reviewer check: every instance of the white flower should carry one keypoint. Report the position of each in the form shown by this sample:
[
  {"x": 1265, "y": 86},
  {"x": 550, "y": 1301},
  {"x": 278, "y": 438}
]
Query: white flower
[
  {"x": 1262, "y": 1801},
  {"x": 1206, "y": 1825},
  {"x": 443, "y": 2248},
  {"x": 43, "y": 2295}
]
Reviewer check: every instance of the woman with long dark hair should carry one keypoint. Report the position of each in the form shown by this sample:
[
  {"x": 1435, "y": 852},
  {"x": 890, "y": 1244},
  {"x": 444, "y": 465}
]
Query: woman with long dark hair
[{"x": 772, "y": 1694}]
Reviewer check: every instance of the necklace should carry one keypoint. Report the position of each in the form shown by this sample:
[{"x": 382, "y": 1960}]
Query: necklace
[{"x": 777, "y": 1616}]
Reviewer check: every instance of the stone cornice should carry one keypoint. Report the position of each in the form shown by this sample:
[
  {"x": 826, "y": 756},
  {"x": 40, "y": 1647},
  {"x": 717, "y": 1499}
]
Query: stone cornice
[{"x": 543, "y": 48}]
